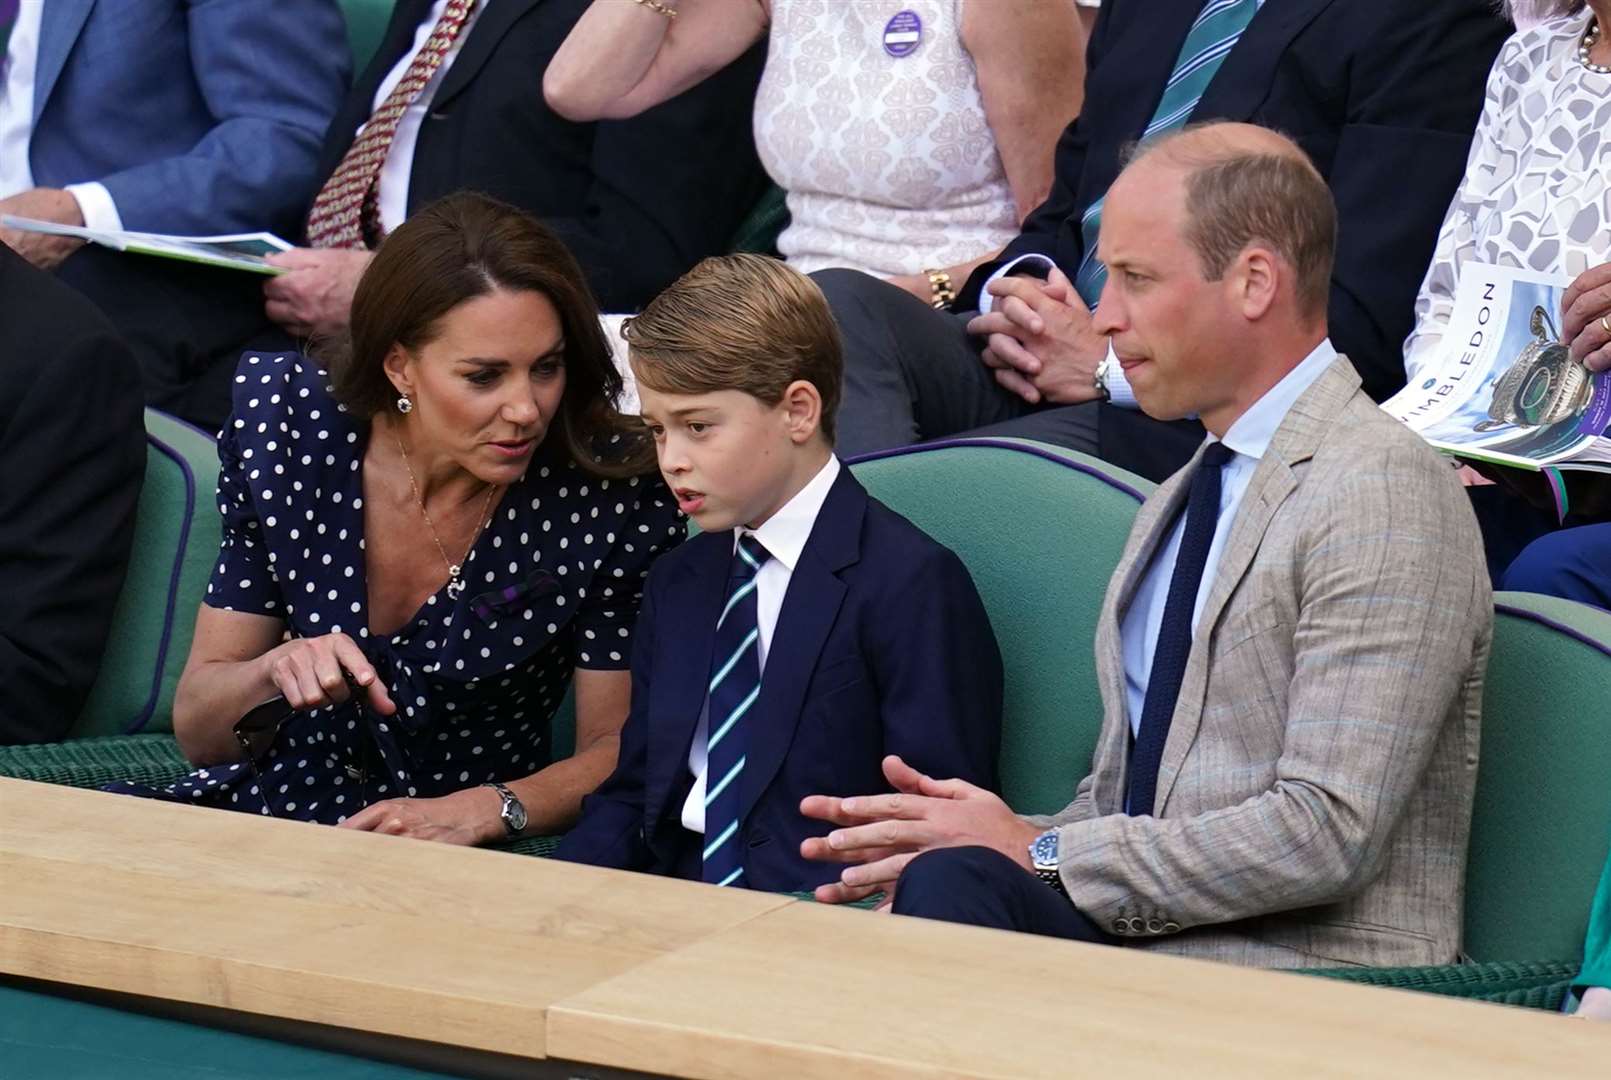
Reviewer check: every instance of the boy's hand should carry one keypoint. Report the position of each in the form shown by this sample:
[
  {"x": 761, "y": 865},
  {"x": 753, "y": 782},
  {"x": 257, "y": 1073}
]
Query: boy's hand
[{"x": 882, "y": 833}]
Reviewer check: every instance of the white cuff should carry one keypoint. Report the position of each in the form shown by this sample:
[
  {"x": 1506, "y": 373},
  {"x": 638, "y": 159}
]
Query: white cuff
[
  {"x": 96, "y": 205},
  {"x": 987, "y": 302},
  {"x": 1119, "y": 392}
]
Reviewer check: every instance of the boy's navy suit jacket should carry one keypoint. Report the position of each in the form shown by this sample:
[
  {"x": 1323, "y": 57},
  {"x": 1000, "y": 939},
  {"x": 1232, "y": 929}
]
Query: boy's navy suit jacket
[{"x": 882, "y": 647}]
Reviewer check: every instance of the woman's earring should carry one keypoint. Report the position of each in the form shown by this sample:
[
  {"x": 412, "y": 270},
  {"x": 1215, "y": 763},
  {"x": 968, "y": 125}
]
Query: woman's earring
[{"x": 404, "y": 405}]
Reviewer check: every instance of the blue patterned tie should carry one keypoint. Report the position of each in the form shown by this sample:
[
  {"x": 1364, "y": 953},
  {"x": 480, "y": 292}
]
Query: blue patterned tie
[
  {"x": 1173, "y": 647},
  {"x": 735, "y": 683},
  {"x": 1212, "y": 37}
]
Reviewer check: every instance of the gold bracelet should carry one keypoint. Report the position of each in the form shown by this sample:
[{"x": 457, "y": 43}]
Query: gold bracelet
[
  {"x": 656, "y": 5},
  {"x": 940, "y": 286}
]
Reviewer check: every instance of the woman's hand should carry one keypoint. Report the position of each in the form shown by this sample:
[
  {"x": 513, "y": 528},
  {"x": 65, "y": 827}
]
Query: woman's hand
[
  {"x": 310, "y": 673},
  {"x": 1586, "y": 317},
  {"x": 465, "y": 817}
]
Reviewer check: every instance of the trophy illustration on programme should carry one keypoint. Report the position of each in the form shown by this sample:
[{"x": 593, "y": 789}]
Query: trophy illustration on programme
[{"x": 1543, "y": 385}]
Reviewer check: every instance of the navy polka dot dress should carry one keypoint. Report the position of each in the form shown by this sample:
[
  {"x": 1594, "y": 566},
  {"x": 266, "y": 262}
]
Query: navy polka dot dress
[{"x": 553, "y": 583}]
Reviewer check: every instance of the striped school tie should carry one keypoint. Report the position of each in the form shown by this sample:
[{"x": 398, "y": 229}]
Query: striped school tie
[
  {"x": 735, "y": 683},
  {"x": 1212, "y": 37},
  {"x": 345, "y": 213}
]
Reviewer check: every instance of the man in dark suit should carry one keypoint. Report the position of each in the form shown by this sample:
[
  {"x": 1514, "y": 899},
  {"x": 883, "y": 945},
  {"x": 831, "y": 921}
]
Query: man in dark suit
[
  {"x": 1382, "y": 95},
  {"x": 72, "y": 457},
  {"x": 628, "y": 197},
  {"x": 806, "y": 633}
]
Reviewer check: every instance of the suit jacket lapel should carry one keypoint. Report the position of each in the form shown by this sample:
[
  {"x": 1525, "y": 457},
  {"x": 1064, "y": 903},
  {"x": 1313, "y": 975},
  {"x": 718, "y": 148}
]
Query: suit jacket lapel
[
  {"x": 489, "y": 29},
  {"x": 63, "y": 21},
  {"x": 1151, "y": 528},
  {"x": 810, "y": 607},
  {"x": 682, "y": 670},
  {"x": 1273, "y": 481},
  {"x": 1243, "y": 81}
]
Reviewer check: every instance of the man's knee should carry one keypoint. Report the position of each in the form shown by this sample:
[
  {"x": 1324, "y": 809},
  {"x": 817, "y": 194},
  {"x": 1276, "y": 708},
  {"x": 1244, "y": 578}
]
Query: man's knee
[{"x": 940, "y": 883}]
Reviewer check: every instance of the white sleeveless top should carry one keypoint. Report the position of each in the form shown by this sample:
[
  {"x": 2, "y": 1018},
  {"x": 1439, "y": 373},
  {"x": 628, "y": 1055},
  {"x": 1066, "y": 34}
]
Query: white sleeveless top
[{"x": 889, "y": 164}]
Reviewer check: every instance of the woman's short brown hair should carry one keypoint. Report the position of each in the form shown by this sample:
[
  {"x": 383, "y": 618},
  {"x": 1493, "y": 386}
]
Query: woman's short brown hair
[
  {"x": 740, "y": 322},
  {"x": 456, "y": 249}
]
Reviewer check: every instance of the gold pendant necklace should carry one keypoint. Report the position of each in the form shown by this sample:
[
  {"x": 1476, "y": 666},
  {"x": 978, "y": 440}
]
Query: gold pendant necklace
[{"x": 455, "y": 585}]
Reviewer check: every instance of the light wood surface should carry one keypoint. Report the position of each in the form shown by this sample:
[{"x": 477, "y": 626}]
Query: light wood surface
[
  {"x": 809, "y": 992},
  {"x": 376, "y": 933},
  {"x": 496, "y": 952}
]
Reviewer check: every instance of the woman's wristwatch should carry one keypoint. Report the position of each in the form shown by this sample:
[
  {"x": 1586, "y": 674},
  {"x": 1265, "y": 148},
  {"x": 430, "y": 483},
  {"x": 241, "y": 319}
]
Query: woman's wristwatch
[
  {"x": 512, "y": 813},
  {"x": 940, "y": 287}
]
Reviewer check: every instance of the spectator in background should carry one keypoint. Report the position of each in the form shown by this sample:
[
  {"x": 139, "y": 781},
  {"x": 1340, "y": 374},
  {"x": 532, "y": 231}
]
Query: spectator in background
[
  {"x": 912, "y": 136},
  {"x": 1534, "y": 196},
  {"x": 1381, "y": 94},
  {"x": 449, "y": 102},
  {"x": 72, "y": 458},
  {"x": 456, "y": 519},
  {"x": 163, "y": 115}
]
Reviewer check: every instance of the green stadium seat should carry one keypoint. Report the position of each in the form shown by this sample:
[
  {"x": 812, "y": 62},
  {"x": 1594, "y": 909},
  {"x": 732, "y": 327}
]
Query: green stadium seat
[
  {"x": 366, "y": 25},
  {"x": 758, "y": 233},
  {"x": 1040, "y": 529},
  {"x": 176, "y": 537}
]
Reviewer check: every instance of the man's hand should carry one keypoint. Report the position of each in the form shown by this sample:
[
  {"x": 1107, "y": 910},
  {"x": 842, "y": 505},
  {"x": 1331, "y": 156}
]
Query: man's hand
[
  {"x": 1587, "y": 302},
  {"x": 43, "y": 204},
  {"x": 882, "y": 833},
  {"x": 1040, "y": 341},
  {"x": 464, "y": 817},
  {"x": 315, "y": 296}
]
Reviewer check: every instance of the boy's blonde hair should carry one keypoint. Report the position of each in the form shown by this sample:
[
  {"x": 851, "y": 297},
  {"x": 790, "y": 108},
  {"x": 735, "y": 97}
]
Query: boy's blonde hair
[{"x": 739, "y": 322}]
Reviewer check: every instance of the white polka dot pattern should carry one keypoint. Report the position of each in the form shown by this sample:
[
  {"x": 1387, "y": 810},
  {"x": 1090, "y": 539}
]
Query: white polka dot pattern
[{"x": 477, "y": 679}]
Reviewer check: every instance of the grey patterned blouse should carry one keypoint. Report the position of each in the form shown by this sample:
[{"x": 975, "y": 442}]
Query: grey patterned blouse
[{"x": 1537, "y": 190}]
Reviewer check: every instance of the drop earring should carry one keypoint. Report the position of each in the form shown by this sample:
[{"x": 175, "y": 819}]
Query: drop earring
[{"x": 404, "y": 405}]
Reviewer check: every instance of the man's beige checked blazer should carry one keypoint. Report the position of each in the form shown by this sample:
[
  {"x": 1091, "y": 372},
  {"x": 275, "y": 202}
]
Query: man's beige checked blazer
[{"x": 1314, "y": 798}]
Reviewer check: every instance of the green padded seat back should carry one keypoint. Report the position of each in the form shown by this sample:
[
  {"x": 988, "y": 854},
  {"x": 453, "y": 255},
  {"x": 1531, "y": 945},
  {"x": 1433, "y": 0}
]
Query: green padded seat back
[
  {"x": 759, "y": 231},
  {"x": 176, "y": 537},
  {"x": 1543, "y": 808},
  {"x": 366, "y": 25},
  {"x": 1040, "y": 529}
]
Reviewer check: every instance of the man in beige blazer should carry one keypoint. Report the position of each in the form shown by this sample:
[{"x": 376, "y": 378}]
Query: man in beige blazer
[{"x": 1291, "y": 650}]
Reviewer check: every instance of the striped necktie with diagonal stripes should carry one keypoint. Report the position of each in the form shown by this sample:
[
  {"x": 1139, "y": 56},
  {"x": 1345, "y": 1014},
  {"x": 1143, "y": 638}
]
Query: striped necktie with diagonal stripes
[
  {"x": 345, "y": 213},
  {"x": 1218, "y": 28},
  {"x": 735, "y": 683}
]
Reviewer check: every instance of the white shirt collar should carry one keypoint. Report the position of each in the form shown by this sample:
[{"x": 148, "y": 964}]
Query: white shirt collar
[
  {"x": 785, "y": 533},
  {"x": 1250, "y": 435}
]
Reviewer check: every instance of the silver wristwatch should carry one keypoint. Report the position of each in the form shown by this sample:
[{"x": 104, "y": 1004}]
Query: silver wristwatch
[
  {"x": 1100, "y": 379},
  {"x": 513, "y": 811},
  {"x": 1045, "y": 853}
]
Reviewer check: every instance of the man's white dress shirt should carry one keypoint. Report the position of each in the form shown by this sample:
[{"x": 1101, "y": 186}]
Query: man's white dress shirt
[
  {"x": 1249, "y": 437},
  {"x": 784, "y": 537}
]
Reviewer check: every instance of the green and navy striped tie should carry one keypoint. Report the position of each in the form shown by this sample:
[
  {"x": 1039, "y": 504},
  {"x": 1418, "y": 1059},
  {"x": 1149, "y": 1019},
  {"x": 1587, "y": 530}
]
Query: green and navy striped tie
[
  {"x": 1212, "y": 37},
  {"x": 735, "y": 684}
]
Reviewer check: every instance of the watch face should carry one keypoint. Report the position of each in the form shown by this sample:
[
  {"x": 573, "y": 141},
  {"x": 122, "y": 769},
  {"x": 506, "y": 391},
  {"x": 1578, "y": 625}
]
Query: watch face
[
  {"x": 1044, "y": 851},
  {"x": 515, "y": 814}
]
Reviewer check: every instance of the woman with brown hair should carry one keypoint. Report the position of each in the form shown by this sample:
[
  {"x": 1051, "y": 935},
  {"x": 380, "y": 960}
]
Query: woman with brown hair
[{"x": 424, "y": 543}]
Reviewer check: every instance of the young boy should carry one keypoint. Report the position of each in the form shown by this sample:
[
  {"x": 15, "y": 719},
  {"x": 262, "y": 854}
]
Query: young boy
[{"x": 805, "y": 633}]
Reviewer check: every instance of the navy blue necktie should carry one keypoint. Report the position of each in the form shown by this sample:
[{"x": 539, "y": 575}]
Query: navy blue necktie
[
  {"x": 1173, "y": 648},
  {"x": 735, "y": 683}
]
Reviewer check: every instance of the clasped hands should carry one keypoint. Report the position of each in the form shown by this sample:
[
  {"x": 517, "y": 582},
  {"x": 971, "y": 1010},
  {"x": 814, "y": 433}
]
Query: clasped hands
[
  {"x": 879, "y": 834},
  {"x": 1039, "y": 340}
]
